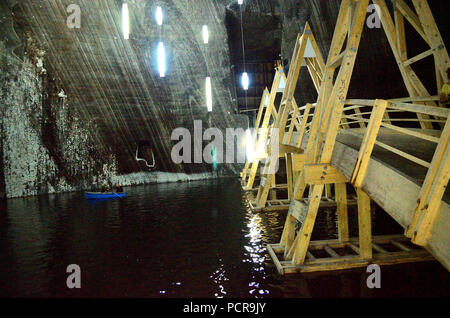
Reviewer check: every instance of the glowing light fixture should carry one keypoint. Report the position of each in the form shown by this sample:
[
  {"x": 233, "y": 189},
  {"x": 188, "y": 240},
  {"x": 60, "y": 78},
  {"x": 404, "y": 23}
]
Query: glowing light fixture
[
  {"x": 125, "y": 22},
  {"x": 161, "y": 60},
  {"x": 240, "y": 2},
  {"x": 205, "y": 34},
  {"x": 208, "y": 94},
  {"x": 245, "y": 81},
  {"x": 159, "y": 16}
]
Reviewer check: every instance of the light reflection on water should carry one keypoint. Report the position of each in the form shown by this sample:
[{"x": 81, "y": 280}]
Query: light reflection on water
[
  {"x": 256, "y": 249},
  {"x": 186, "y": 240}
]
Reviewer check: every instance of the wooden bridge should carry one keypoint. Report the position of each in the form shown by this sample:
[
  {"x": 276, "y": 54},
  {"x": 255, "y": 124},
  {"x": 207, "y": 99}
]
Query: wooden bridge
[{"x": 394, "y": 152}]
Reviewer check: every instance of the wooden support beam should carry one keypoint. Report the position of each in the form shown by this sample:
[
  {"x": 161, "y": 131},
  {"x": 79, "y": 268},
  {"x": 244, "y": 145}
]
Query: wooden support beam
[
  {"x": 289, "y": 174},
  {"x": 412, "y": 82},
  {"x": 418, "y": 57},
  {"x": 400, "y": 246},
  {"x": 331, "y": 252},
  {"x": 298, "y": 210},
  {"x": 364, "y": 224},
  {"x": 298, "y": 162},
  {"x": 412, "y": 18},
  {"x": 322, "y": 174},
  {"x": 342, "y": 212},
  {"x": 368, "y": 142},
  {"x": 378, "y": 248},
  {"x": 433, "y": 35},
  {"x": 305, "y": 231}
]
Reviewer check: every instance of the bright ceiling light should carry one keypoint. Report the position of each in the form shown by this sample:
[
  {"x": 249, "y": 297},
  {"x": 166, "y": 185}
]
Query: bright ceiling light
[
  {"x": 240, "y": 1},
  {"x": 159, "y": 16},
  {"x": 205, "y": 34},
  {"x": 208, "y": 94},
  {"x": 125, "y": 22},
  {"x": 245, "y": 81},
  {"x": 161, "y": 60}
]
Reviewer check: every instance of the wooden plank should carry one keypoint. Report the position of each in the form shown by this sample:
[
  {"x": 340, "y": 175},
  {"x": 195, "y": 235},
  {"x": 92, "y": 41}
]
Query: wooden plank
[
  {"x": 322, "y": 174},
  {"x": 412, "y": 18},
  {"x": 424, "y": 109},
  {"x": 331, "y": 252},
  {"x": 342, "y": 212},
  {"x": 400, "y": 246},
  {"x": 298, "y": 161},
  {"x": 418, "y": 57},
  {"x": 364, "y": 224},
  {"x": 378, "y": 248},
  {"x": 310, "y": 256},
  {"x": 308, "y": 225},
  {"x": 275, "y": 259},
  {"x": 368, "y": 142},
  {"x": 289, "y": 174},
  {"x": 354, "y": 248},
  {"x": 303, "y": 125},
  {"x": 298, "y": 210}
]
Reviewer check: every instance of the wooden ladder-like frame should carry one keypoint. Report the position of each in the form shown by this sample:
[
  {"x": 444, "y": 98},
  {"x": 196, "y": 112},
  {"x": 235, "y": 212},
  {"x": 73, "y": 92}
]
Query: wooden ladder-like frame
[{"x": 305, "y": 45}]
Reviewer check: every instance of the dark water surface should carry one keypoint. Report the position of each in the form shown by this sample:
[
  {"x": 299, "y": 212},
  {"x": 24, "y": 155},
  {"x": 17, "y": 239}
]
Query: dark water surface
[{"x": 193, "y": 239}]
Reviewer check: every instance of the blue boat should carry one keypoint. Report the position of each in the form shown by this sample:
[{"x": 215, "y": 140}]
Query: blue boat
[{"x": 104, "y": 195}]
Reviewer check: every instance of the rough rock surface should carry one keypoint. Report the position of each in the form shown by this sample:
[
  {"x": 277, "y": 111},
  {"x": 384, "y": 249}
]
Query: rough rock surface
[{"x": 46, "y": 148}]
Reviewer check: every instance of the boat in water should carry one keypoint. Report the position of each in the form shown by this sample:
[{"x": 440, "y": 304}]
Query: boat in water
[{"x": 104, "y": 195}]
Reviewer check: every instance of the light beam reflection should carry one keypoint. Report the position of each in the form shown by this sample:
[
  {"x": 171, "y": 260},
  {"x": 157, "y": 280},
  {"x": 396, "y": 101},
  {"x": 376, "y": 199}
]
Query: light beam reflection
[{"x": 256, "y": 254}]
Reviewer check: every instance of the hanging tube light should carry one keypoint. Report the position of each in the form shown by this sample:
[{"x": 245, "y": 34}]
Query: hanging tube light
[
  {"x": 125, "y": 22},
  {"x": 205, "y": 34},
  {"x": 245, "y": 81},
  {"x": 159, "y": 16}
]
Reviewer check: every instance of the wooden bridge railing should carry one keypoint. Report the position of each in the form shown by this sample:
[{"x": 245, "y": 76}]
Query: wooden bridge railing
[{"x": 437, "y": 177}]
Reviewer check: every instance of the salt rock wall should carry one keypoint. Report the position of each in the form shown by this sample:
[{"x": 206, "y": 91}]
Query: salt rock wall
[
  {"x": 46, "y": 148},
  {"x": 117, "y": 82}
]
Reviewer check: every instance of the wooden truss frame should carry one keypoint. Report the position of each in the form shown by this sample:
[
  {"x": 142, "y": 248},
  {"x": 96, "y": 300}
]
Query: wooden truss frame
[
  {"x": 306, "y": 52},
  {"x": 262, "y": 127},
  {"x": 314, "y": 164}
]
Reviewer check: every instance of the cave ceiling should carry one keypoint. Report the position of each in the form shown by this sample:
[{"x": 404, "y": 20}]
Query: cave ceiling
[{"x": 115, "y": 82}]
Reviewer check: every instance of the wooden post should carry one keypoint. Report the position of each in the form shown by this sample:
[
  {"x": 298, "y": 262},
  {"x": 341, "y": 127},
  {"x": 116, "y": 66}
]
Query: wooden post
[
  {"x": 342, "y": 213},
  {"x": 304, "y": 235},
  {"x": 368, "y": 142},
  {"x": 364, "y": 224},
  {"x": 289, "y": 174}
]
